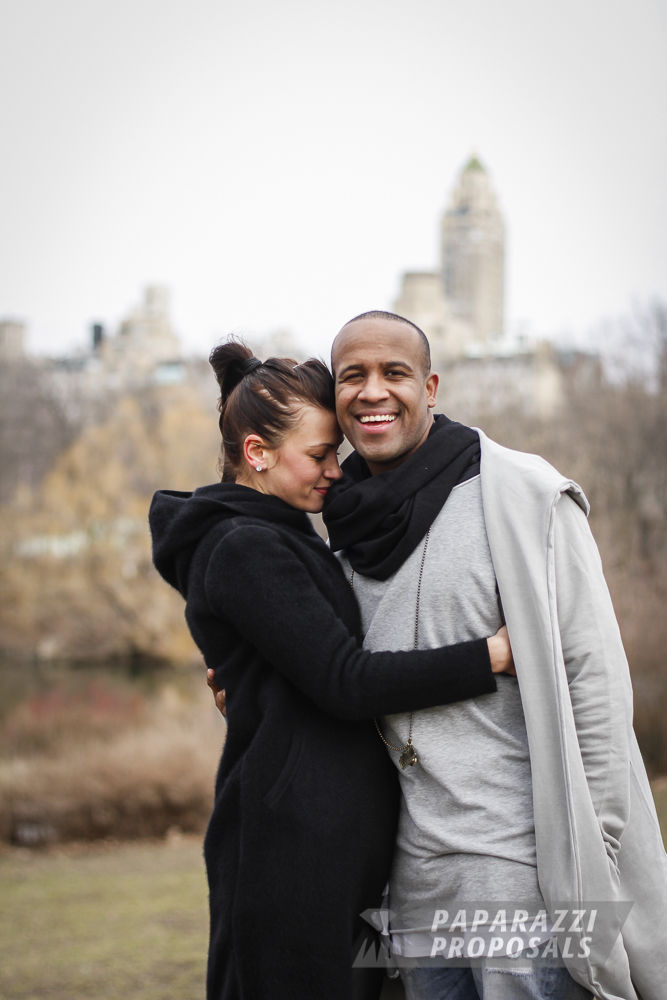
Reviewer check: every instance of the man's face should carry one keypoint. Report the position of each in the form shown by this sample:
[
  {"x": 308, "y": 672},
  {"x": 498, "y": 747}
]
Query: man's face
[{"x": 383, "y": 395}]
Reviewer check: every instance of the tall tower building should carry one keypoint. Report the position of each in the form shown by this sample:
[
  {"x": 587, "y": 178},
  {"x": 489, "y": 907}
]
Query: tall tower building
[{"x": 473, "y": 254}]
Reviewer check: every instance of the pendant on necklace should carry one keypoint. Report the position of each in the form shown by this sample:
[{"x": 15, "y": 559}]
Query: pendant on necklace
[{"x": 409, "y": 756}]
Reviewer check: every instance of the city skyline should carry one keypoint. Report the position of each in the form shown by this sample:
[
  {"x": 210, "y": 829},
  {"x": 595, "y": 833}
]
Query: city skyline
[{"x": 280, "y": 168}]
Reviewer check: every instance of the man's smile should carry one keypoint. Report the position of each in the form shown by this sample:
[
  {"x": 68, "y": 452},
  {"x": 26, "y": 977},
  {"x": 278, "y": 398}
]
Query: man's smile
[{"x": 376, "y": 418}]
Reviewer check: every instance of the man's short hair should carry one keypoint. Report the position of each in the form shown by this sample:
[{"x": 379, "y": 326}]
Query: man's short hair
[{"x": 395, "y": 318}]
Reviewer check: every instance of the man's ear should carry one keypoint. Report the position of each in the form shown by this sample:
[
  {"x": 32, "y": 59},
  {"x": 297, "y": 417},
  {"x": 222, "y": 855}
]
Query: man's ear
[{"x": 431, "y": 389}]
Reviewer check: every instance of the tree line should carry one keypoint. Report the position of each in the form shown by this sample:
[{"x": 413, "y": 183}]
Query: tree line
[{"x": 78, "y": 581}]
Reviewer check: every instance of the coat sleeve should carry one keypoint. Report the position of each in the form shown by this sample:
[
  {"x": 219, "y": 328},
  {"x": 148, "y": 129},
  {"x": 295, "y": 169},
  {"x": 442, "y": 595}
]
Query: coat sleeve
[
  {"x": 275, "y": 605},
  {"x": 597, "y": 669}
]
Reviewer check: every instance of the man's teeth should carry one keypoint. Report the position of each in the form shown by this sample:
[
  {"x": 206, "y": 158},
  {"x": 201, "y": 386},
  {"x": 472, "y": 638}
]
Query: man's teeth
[{"x": 382, "y": 418}]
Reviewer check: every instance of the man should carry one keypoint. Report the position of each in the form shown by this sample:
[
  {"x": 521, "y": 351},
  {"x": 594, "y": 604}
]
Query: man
[{"x": 533, "y": 801}]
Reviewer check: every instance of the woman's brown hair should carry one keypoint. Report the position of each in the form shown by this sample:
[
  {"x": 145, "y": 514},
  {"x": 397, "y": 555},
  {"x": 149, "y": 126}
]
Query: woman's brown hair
[{"x": 263, "y": 397}]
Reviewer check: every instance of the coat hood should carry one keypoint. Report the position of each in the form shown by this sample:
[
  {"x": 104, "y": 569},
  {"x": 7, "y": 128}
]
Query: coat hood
[{"x": 178, "y": 521}]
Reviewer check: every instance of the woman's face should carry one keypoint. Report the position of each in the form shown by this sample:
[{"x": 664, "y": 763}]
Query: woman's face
[{"x": 303, "y": 467}]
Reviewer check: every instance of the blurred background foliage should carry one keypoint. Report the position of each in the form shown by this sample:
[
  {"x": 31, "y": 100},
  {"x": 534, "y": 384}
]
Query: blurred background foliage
[{"x": 106, "y": 726}]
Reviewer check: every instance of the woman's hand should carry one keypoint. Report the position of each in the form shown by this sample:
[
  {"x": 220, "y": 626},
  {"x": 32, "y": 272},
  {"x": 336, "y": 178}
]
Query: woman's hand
[
  {"x": 219, "y": 693},
  {"x": 500, "y": 653}
]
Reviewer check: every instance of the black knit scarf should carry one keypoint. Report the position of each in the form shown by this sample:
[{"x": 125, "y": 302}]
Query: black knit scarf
[{"x": 379, "y": 520}]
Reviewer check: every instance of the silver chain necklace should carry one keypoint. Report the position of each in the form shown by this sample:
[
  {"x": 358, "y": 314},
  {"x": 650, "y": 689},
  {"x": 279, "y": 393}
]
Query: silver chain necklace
[{"x": 407, "y": 750}]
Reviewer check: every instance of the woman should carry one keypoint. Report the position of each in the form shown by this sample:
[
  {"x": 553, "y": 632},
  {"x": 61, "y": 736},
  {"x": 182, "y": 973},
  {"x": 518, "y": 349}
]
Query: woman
[{"x": 300, "y": 838}]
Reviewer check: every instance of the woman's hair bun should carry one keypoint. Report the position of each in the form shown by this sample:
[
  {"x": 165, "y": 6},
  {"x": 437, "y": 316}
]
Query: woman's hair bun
[{"x": 230, "y": 362}]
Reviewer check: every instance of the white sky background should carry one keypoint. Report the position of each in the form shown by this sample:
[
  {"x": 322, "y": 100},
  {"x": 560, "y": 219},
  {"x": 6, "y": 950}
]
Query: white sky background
[{"x": 279, "y": 164}]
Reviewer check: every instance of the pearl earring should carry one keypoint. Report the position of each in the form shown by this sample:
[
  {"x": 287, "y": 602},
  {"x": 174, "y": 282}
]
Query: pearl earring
[{"x": 258, "y": 468}]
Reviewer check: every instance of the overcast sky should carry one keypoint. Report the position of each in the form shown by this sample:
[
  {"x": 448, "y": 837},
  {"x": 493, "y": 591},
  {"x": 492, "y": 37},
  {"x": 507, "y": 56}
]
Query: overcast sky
[{"x": 279, "y": 164}]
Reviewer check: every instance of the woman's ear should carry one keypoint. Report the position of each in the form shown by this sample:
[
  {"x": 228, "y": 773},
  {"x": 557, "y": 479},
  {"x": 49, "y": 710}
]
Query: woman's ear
[{"x": 256, "y": 453}]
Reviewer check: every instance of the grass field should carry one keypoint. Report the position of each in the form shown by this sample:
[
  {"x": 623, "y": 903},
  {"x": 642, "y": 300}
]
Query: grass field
[{"x": 113, "y": 921}]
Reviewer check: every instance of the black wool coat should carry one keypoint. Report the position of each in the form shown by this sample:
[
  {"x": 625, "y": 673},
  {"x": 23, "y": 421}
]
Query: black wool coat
[{"x": 300, "y": 839}]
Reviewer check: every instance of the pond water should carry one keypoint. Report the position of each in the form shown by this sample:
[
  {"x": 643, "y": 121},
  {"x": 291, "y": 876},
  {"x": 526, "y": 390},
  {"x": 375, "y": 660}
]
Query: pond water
[{"x": 23, "y": 681}]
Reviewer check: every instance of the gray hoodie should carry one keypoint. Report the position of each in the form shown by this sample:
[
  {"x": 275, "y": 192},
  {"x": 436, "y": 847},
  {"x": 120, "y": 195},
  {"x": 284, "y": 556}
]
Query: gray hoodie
[{"x": 597, "y": 833}]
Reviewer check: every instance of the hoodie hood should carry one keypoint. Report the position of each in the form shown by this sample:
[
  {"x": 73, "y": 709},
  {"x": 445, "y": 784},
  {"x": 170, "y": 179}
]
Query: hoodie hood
[{"x": 178, "y": 521}]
